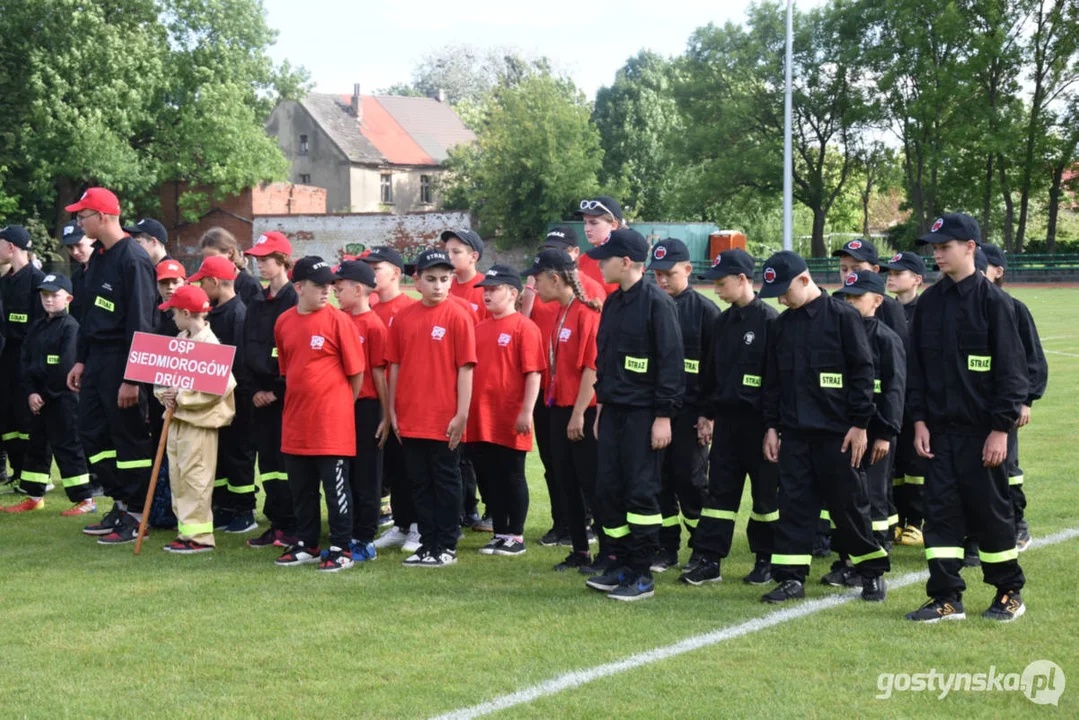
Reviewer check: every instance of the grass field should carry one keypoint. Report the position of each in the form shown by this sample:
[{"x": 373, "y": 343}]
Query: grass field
[{"x": 91, "y": 631}]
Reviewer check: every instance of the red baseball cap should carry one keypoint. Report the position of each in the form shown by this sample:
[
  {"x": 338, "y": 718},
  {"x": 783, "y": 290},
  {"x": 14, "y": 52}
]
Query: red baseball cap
[
  {"x": 270, "y": 242},
  {"x": 215, "y": 266},
  {"x": 99, "y": 199},
  {"x": 169, "y": 270},
  {"x": 188, "y": 297}
]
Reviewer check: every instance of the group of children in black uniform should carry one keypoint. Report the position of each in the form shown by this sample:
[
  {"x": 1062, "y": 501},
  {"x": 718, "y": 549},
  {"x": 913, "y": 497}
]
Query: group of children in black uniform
[{"x": 860, "y": 420}]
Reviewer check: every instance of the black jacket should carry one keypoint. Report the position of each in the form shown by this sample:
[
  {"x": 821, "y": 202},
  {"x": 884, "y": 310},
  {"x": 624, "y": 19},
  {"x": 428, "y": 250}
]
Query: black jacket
[
  {"x": 639, "y": 360},
  {"x": 819, "y": 376},
  {"x": 736, "y": 358},
  {"x": 78, "y": 305},
  {"x": 248, "y": 289},
  {"x": 890, "y": 384},
  {"x": 1037, "y": 367},
  {"x": 966, "y": 372},
  {"x": 121, "y": 290},
  {"x": 259, "y": 350},
  {"x": 48, "y": 355},
  {"x": 892, "y": 313},
  {"x": 227, "y": 322},
  {"x": 697, "y": 317},
  {"x": 22, "y": 307}
]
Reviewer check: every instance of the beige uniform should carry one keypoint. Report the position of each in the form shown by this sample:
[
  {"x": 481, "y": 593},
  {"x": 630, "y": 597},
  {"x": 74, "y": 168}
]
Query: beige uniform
[{"x": 192, "y": 449}]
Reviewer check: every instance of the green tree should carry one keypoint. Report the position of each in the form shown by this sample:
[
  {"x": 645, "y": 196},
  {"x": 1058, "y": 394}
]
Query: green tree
[
  {"x": 536, "y": 154},
  {"x": 465, "y": 73}
]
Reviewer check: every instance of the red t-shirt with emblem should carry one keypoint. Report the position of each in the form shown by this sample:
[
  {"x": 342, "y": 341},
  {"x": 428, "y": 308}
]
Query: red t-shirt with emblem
[
  {"x": 573, "y": 343},
  {"x": 429, "y": 344},
  {"x": 471, "y": 294},
  {"x": 506, "y": 350},
  {"x": 388, "y": 309},
  {"x": 372, "y": 333},
  {"x": 588, "y": 266},
  {"x": 317, "y": 353},
  {"x": 546, "y": 314}
]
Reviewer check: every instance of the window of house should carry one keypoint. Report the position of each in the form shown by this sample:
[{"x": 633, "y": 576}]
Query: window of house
[
  {"x": 425, "y": 189},
  {"x": 305, "y": 179},
  {"x": 387, "y": 187},
  {"x": 303, "y": 144}
]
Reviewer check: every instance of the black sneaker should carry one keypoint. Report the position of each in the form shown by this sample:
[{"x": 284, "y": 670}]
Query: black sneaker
[
  {"x": 470, "y": 519},
  {"x": 108, "y": 523},
  {"x": 573, "y": 561},
  {"x": 1023, "y": 539},
  {"x": 510, "y": 548},
  {"x": 761, "y": 573},
  {"x": 1007, "y": 606},
  {"x": 551, "y": 537},
  {"x": 610, "y": 580},
  {"x": 485, "y": 524},
  {"x": 704, "y": 571},
  {"x": 296, "y": 555},
  {"x": 334, "y": 559},
  {"x": 222, "y": 518},
  {"x": 936, "y": 610},
  {"x": 600, "y": 565},
  {"x": 637, "y": 587},
  {"x": 874, "y": 589},
  {"x": 786, "y": 590},
  {"x": 692, "y": 563},
  {"x": 838, "y": 576},
  {"x": 266, "y": 539},
  {"x": 822, "y": 545},
  {"x": 243, "y": 522},
  {"x": 124, "y": 532},
  {"x": 489, "y": 548},
  {"x": 663, "y": 560}
]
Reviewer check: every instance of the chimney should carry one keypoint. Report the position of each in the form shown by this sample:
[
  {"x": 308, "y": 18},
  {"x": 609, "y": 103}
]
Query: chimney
[{"x": 356, "y": 109}]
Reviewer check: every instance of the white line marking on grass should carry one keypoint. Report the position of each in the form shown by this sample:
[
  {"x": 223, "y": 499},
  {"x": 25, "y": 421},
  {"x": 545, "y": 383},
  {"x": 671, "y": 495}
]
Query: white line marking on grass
[
  {"x": 1057, "y": 352},
  {"x": 1057, "y": 337},
  {"x": 576, "y": 678}
]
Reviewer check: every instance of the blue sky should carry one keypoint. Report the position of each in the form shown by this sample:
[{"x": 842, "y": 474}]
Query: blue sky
[{"x": 377, "y": 44}]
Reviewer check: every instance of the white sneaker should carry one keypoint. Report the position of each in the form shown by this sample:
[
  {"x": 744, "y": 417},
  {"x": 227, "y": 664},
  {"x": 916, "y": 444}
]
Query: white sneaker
[
  {"x": 412, "y": 542},
  {"x": 392, "y": 538}
]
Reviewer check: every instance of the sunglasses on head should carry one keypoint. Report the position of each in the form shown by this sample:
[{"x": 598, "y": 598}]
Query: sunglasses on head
[{"x": 593, "y": 204}]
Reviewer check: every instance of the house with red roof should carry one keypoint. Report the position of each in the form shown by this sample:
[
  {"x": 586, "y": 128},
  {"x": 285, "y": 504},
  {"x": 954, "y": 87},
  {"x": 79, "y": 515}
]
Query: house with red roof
[{"x": 372, "y": 153}]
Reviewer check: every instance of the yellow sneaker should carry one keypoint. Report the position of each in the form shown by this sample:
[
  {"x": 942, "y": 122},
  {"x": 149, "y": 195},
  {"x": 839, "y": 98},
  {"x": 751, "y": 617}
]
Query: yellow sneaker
[
  {"x": 897, "y": 533},
  {"x": 911, "y": 536}
]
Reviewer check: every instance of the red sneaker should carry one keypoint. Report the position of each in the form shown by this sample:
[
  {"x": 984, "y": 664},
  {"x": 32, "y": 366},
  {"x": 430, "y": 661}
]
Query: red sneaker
[
  {"x": 83, "y": 507},
  {"x": 27, "y": 505}
]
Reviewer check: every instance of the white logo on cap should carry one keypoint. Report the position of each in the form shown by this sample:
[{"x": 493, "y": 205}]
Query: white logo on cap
[
  {"x": 262, "y": 239},
  {"x": 564, "y": 334},
  {"x": 749, "y": 337},
  {"x": 492, "y": 273},
  {"x": 556, "y": 233},
  {"x": 319, "y": 265},
  {"x": 173, "y": 266},
  {"x": 937, "y": 225},
  {"x": 49, "y": 278},
  {"x": 84, "y": 196},
  {"x": 504, "y": 339},
  {"x": 68, "y": 229},
  {"x": 140, "y": 223},
  {"x": 437, "y": 332},
  {"x": 317, "y": 341}
]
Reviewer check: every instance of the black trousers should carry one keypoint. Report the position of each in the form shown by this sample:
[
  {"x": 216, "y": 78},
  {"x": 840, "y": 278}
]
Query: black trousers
[
  {"x": 575, "y": 467},
  {"x": 234, "y": 480},
  {"x": 469, "y": 485},
  {"x": 541, "y": 430},
  {"x": 501, "y": 470},
  {"x": 53, "y": 432},
  {"x": 15, "y": 415},
  {"x": 278, "y": 506},
  {"x": 815, "y": 473},
  {"x": 307, "y": 474},
  {"x": 737, "y": 451},
  {"x": 909, "y": 478},
  {"x": 683, "y": 478},
  {"x": 395, "y": 477},
  {"x": 627, "y": 485},
  {"x": 116, "y": 441},
  {"x": 1016, "y": 481},
  {"x": 365, "y": 472},
  {"x": 434, "y": 473},
  {"x": 963, "y": 498},
  {"x": 878, "y": 482}
]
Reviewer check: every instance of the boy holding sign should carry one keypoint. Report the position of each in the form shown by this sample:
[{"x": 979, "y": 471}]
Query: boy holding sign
[{"x": 192, "y": 440}]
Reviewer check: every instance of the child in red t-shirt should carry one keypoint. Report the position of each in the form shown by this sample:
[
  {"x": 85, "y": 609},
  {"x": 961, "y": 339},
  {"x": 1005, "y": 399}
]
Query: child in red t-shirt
[
  {"x": 322, "y": 362},
  {"x": 465, "y": 249},
  {"x": 405, "y": 534},
  {"x": 571, "y": 374},
  {"x": 355, "y": 280},
  {"x": 432, "y": 351},
  {"x": 509, "y": 358}
]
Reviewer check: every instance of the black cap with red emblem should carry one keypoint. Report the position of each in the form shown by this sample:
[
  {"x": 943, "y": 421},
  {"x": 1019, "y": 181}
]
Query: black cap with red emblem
[
  {"x": 730, "y": 262},
  {"x": 667, "y": 253},
  {"x": 860, "y": 250},
  {"x": 779, "y": 270}
]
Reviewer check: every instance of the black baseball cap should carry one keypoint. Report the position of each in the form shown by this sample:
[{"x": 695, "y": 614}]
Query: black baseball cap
[
  {"x": 622, "y": 243},
  {"x": 667, "y": 253},
  {"x": 71, "y": 234},
  {"x": 906, "y": 260},
  {"x": 151, "y": 227},
  {"x": 356, "y": 270},
  {"x": 953, "y": 226},
  {"x": 730, "y": 262},
  {"x": 432, "y": 257},
  {"x": 981, "y": 260},
  {"x": 779, "y": 270},
  {"x": 55, "y": 281},
  {"x": 313, "y": 268},
  {"x": 18, "y": 236},
  {"x": 501, "y": 275},
  {"x": 994, "y": 255},
  {"x": 860, "y": 250},
  {"x": 562, "y": 237},
  {"x": 468, "y": 237},
  {"x": 384, "y": 254},
  {"x": 550, "y": 259},
  {"x": 600, "y": 205},
  {"x": 862, "y": 282}
]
